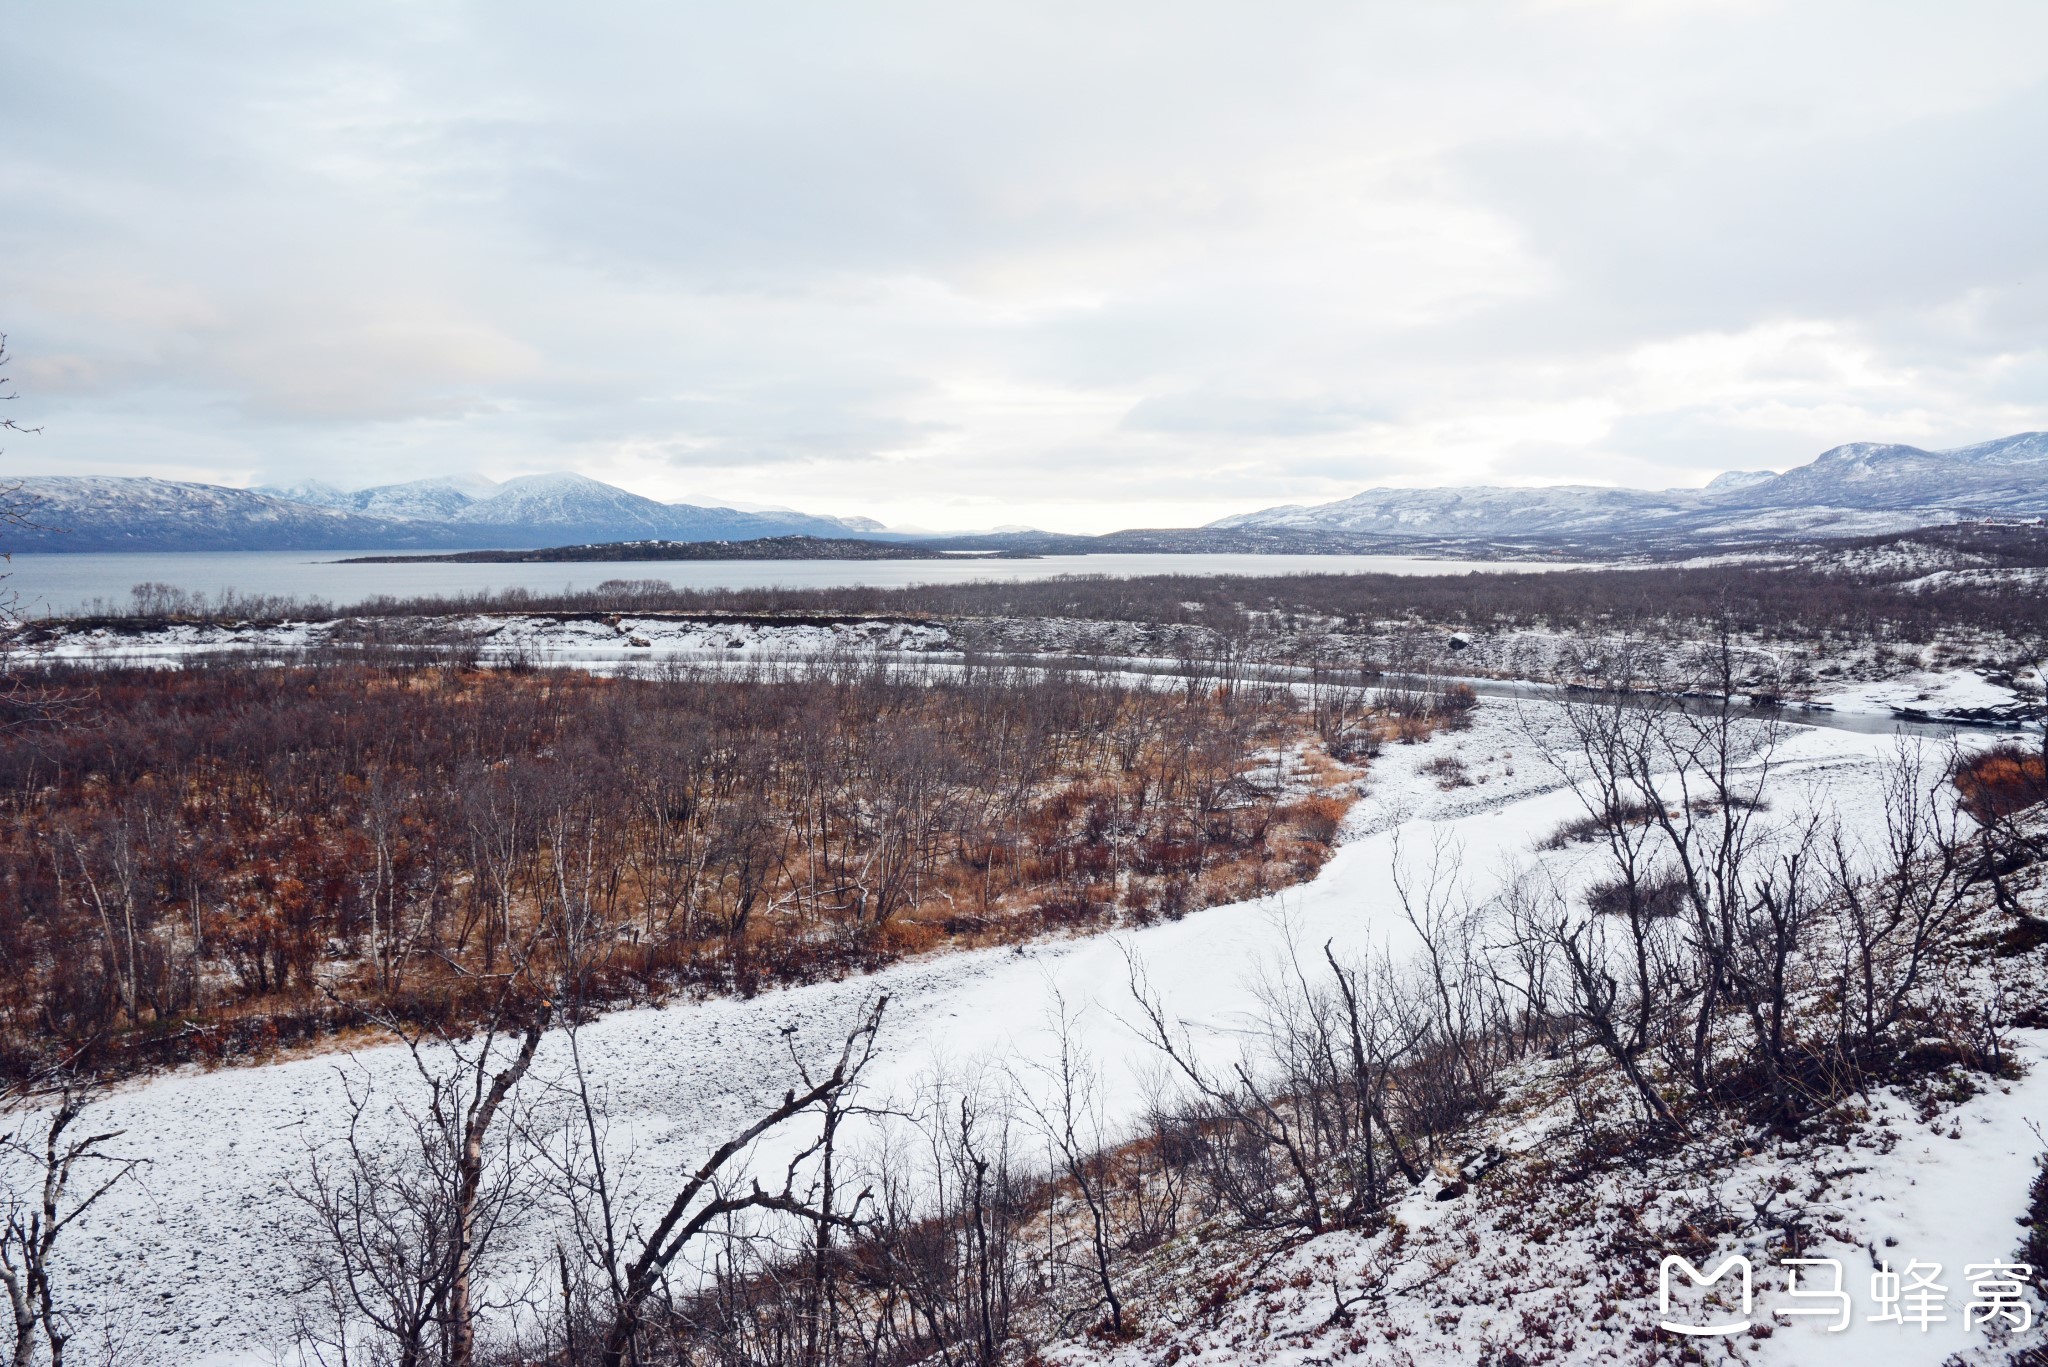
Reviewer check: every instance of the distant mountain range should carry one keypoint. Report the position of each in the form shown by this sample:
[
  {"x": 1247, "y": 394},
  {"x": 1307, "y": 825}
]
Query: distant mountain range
[
  {"x": 105, "y": 513},
  {"x": 1855, "y": 490},
  {"x": 1861, "y": 489}
]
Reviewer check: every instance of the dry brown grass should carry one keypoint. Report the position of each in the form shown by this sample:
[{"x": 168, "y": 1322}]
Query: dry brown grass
[{"x": 234, "y": 862}]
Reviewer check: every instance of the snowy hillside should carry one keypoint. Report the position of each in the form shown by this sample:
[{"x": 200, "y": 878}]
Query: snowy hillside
[
  {"x": 1853, "y": 490},
  {"x": 1549, "y": 1269},
  {"x": 107, "y": 513},
  {"x": 2005, "y": 476},
  {"x": 104, "y": 513},
  {"x": 420, "y": 500}
]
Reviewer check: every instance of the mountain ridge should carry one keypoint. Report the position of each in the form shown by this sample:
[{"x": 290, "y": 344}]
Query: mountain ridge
[
  {"x": 1855, "y": 489},
  {"x": 100, "y": 513},
  {"x": 1858, "y": 488}
]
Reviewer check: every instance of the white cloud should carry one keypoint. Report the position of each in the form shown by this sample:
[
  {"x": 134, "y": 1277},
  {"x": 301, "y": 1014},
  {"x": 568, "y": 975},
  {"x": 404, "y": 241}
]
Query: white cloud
[{"x": 1061, "y": 264}]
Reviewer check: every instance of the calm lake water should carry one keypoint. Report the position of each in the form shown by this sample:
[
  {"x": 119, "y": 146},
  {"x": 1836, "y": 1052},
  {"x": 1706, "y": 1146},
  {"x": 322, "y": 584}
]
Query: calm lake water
[{"x": 65, "y": 584}]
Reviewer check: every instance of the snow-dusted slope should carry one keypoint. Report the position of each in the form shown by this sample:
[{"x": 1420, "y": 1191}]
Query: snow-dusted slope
[
  {"x": 572, "y": 508},
  {"x": 419, "y": 500},
  {"x": 1465, "y": 1284},
  {"x": 561, "y": 501},
  {"x": 564, "y": 500},
  {"x": 197, "y": 1259},
  {"x": 2006, "y": 476},
  {"x": 1478, "y": 511},
  {"x": 105, "y": 513},
  {"x": 1859, "y": 489}
]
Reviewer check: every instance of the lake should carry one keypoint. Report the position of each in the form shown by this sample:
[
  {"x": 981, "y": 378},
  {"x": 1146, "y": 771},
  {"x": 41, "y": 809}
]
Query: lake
[{"x": 57, "y": 585}]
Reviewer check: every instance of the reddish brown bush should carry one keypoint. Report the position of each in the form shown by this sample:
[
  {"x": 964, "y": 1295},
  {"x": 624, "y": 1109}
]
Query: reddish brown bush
[{"x": 2001, "y": 781}]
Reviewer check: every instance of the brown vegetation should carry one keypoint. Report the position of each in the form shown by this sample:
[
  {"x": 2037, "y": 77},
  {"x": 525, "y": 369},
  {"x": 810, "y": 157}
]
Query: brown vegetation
[
  {"x": 2001, "y": 781},
  {"x": 208, "y": 862},
  {"x": 1725, "y": 979}
]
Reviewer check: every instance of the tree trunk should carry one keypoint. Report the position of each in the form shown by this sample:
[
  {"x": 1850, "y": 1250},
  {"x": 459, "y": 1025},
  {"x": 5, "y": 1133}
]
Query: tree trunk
[{"x": 469, "y": 1185}]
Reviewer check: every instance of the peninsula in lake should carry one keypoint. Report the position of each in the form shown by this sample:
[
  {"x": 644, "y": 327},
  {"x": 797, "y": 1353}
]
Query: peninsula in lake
[{"x": 758, "y": 548}]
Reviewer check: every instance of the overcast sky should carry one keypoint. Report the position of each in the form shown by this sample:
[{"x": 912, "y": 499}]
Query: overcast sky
[{"x": 967, "y": 263}]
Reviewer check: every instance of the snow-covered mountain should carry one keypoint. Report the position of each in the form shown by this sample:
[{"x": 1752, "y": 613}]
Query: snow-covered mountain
[
  {"x": 419, "y": 500},
  {"x": 1862, "y": 489},
  {"x": 105, "y": 513},
  {"x": 2009, "y": 475},
  {"x": 561, "y": 503},
  {"x": 1859, "y": 489},
  {"x": 108, "y": 513}
]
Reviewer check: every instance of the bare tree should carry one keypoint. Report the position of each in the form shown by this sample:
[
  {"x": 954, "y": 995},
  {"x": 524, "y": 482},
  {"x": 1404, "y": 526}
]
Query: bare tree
[
  {"x": 50, "y": 1176},
  {"x": 382, "y": 1207},
  {"x": 633, "y": 1266},
  {"x": 14, "y": 504},
  {"x": 1894, "y": 903},
  {"x": 1070, "y": 1122},
  {"x": 1674, "y": 793},
  {"x": 1464, "y": 1020},
  {"x": 1257, "y": 1106},
  {"x": 401, "y": 1234},
  {"x": 1380, "y": 1036}
]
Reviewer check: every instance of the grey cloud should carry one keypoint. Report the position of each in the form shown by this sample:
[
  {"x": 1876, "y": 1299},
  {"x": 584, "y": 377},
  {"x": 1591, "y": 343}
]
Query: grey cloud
[{"x": 1662, "y": 233}]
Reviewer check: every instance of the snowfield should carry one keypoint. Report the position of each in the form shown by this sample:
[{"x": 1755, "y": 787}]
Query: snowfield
[
  {"x": 195, "y": 1263},
  {"x": 1928, "y": 692},
  {"x": 598, "y": 641}
]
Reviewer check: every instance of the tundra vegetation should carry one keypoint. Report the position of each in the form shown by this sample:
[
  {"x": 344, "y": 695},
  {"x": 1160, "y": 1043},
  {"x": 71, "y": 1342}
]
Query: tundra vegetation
[
  {"x": 205, "y": 863},
  {"x": 1731, "y": 977},
  {"x": 1720, "y": 972},
  {"x": 1803, "y": 624}
]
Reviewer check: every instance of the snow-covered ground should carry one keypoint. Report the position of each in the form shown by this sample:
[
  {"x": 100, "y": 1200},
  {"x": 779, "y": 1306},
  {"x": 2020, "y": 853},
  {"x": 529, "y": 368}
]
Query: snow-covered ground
[
  {"x": 1467, "y": 1286},
  {"x": 538, "y": 639},
  {"x": 2032, "y": 577},
  {"x": 1933, "y": 692},
  {"x": 1857, "y": 689},
  {"x": 196, "y": 1260}
]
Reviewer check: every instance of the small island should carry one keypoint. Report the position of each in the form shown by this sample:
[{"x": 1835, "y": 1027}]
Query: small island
[{"x": 760, "y": 548}]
